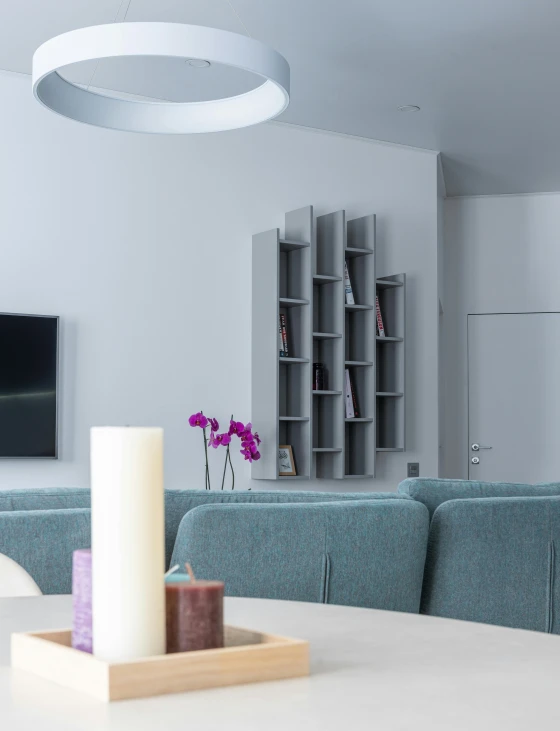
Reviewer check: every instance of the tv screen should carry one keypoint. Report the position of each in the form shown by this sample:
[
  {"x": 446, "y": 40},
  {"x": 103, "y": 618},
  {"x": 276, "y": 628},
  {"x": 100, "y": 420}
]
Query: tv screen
[{"x": 28, "y": 385}]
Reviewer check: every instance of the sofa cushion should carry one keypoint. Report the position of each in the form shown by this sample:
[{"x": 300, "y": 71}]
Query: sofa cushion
[
  {"x": 433, "y": 492},
  {"x": 494, "y": 560},
  {"x": 49, "y": 498},
  {"x": 43, "y": 541},
  {"x": 367, "y": 553},
  {"x": 179, "y": 502}
]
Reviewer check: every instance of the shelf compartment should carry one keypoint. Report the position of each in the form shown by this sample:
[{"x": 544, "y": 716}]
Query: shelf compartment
[
  {"x": 327, "y": 431},
  {"x": 296, "y": 434},
  {"x": 357, "y": 308},
  {"x": 388, "y": 283},
  {"x": 293, "y": 418},
  {"x": 292, "y": 302},
  {"x": 359, "y": 340},
  {"x": 326, "y": 393},
  {"x": 353, "y": 251},
  {"x": 327, "y": 449},
  {"x": 390, "y": 432},
  {"x": 288, "y": 245},
  {"x": 357, "y": 477},
  {"x": 358, "y": 363},
  {"x": 326, "y": 336},
  {"x": 326, "y": 307},
  {"x": 359, "y": 453},
  {"x": 320, "y": 279},
  {"x": 287, "y": 361},
  {"x": 388, "y": 339},
  {"x": 292, "y": 391}
]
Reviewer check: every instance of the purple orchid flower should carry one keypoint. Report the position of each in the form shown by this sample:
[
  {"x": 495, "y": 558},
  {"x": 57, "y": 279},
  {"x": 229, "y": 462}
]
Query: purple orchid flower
[
  {"x": 198, "y": 419},
  {"x": 217, "y": 440},
  {"x": 236, "y": 427},
  {"x": 214, "y": 425}
]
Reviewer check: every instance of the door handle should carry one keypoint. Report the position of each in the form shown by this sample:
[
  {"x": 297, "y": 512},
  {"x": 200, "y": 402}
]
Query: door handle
[{"x": 476, "y": 447}]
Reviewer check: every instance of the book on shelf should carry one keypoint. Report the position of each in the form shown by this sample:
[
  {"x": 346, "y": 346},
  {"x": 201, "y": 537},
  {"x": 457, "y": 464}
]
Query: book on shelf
[
  {"x": 379, "y": 316},
  {"x": 284, "y": 329},
  {"x": 350, "y": 400},
  {"x": 280, "y": 339},
  {"x": 348, "y": 292}
]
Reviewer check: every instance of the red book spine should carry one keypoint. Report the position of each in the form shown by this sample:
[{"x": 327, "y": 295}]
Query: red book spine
[
  {"x": 354, "y": 400},
  {"x": 380, "y": 327}
]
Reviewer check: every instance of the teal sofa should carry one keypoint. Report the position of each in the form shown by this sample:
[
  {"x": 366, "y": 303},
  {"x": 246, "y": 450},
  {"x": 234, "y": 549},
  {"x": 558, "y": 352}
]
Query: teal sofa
[
  {"x": 40, "y": 529},
  {"x": 483, "y": 552}
]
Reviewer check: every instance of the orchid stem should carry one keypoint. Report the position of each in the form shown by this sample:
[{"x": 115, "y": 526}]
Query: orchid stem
[
  {"x": 206, "y": 455},
  {"x": 225, "y": 465},
  {"x": 228, "y": 456}
]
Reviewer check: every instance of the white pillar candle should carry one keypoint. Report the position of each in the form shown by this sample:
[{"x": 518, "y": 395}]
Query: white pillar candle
[{"x": 127, "y": 541}]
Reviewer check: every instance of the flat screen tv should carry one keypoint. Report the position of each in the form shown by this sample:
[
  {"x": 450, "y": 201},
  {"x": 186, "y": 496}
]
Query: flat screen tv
[{"x": 28, "y": 385}]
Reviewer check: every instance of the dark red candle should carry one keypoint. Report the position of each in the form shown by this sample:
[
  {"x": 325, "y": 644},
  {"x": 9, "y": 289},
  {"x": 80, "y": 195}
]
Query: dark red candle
[{"x": 195, "y": 615}]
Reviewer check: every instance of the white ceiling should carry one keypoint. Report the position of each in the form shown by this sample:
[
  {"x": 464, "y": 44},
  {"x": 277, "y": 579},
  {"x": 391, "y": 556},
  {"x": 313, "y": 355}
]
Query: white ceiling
[{"x": 484, "y": 72}]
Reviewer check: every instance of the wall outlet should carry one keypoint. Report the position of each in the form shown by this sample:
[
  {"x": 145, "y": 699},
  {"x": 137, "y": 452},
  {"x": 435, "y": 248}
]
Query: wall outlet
[{"x": 413, "y": 469}]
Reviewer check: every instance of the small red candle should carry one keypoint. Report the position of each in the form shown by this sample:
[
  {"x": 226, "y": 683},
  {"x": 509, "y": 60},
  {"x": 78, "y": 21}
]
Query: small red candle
[{"x": 194, "y": 614}]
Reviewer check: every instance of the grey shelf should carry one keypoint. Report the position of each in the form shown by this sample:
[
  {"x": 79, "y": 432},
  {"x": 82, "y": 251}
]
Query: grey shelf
[
  {"x": 292, "y": 302},
  {"x": 358, "y": 308},
  {"x": 325, "y": 279},
  {"x": 387, "y": 283},
  {"x": 287, "y": 245},
  {"x": 300, "y": 275},
  {"x": 352, "y": 251},
  {"x": 326, "y": 336}
]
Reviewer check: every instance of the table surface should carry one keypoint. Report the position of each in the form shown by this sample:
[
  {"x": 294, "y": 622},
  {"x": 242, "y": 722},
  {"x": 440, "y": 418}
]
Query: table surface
[{"x": 384, "y": 671}]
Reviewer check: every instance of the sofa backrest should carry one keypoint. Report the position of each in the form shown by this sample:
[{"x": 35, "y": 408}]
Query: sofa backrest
[
  {"x": 51, "y": 498},
  {"x": 433, "y": 492},
  {"x": 179, "y": 502},
  {"x": 367, "y": 553},
  {"x": 494, "y": 560},
  {"x": 43, "y": 541}
]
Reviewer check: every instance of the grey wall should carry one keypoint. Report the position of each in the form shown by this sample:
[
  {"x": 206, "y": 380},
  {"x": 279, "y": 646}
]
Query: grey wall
[
  {"x": 142, "y": 244},
  {"x": 502, "y": 255}
]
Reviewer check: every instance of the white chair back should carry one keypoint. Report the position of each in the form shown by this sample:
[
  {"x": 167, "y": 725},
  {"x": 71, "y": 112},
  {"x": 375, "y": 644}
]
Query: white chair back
[{"x": 14, "y": 580}]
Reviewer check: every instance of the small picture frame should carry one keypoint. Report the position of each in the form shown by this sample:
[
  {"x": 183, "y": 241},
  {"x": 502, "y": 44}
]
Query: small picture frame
[{"x": 286, "y": 462}]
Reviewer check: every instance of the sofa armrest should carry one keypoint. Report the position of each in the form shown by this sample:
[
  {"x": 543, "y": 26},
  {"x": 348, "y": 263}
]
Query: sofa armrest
[{"x": 42, "y": 542}]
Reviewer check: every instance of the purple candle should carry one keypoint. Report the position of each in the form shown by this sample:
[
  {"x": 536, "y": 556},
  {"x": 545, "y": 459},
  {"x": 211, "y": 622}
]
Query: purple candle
[{"x": 81, "y": 600}]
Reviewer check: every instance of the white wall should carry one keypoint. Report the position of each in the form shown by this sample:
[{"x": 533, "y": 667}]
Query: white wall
[
  {"x": 142, "y": 244},
  {"x": 502, "y": 255}
]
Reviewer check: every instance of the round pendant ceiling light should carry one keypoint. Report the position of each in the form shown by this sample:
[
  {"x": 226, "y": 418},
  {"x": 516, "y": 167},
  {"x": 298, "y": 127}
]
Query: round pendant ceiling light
[{"x": 172, "y": 40}]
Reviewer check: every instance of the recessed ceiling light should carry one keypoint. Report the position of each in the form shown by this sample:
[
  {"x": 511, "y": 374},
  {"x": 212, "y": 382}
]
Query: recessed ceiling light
[
  {"x": 409, "y": 108},
  {"x": 198, "y": 63}
]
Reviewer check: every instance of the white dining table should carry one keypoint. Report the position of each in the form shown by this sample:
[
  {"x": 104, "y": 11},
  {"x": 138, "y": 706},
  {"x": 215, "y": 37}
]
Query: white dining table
[{"x": 370, "y": 669}]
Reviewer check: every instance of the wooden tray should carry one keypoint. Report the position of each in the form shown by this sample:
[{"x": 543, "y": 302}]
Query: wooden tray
[{"x": 248, "y": 657}]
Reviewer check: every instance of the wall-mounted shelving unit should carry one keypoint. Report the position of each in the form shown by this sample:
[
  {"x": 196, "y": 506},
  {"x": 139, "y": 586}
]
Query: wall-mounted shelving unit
[{"x": 301, "y": 277}]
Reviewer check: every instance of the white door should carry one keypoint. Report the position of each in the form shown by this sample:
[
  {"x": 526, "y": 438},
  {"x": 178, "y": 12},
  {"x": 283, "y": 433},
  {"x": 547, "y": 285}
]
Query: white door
[{"x": 514, "y": 397}]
